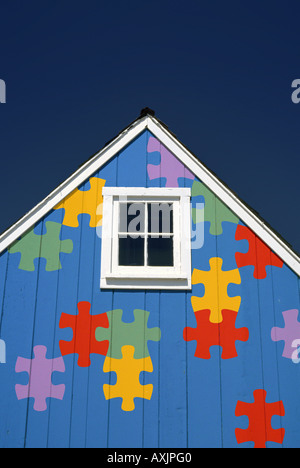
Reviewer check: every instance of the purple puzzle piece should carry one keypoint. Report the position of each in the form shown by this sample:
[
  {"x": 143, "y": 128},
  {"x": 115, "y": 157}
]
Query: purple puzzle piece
[
  {"x": 289, "y": 333},
  {"x": 40, "y": 370},
  {"x": 170, "y": 167}
]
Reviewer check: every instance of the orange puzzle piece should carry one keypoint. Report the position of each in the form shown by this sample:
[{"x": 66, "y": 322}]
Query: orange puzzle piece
[
  {"x": 259, "y": 254},
  {"x": 208, "y": 334},
  {"x": 84, "y": 326},
  {"x": 260, "y": 414}
]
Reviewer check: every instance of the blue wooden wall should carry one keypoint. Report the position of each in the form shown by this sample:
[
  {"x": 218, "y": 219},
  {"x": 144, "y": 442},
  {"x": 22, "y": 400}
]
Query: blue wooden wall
[{"x": 49, "y": 400}]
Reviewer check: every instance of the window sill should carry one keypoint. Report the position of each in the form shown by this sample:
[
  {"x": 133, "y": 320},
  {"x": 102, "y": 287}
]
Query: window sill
[
  {"x": 147, "y": 276},
  {"x": 171, "y": 282}
]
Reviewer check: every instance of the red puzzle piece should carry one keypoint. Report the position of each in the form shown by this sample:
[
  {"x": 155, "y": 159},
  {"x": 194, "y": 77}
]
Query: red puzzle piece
[
  {"x": 259, "y": 254},
  {"x": 260, "y": 414},
  {"x": 209, "y": 334},
  {"x": 84, "y": 326}
]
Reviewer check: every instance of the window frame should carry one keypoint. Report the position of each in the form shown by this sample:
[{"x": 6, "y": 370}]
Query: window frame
[{"x": 114, "y": 276}]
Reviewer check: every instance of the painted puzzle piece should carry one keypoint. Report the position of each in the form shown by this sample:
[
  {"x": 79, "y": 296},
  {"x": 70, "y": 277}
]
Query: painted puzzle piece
[
  {"x": 128, "y": 371},
  {"x": 215, "y": 211},
  {"x": 216, "y": 282},
  {"x": 259, "y": 413},
  {"x": 289, "y": 333},
  {"x": 135, "y": 333},
  {"x": 169, "y": 168},
  {"x": 208, "y": 334},
  {"x": 83, "y": 325},
  {"x": 47, "y": 246},
  {"x": 40, "y": 370},
  {"x": 259, "y": 254},
  {"x": 84, "y": 202}
]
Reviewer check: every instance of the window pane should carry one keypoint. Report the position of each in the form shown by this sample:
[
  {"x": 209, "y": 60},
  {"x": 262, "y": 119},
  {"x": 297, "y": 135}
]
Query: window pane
[
  {"x": 131, "y": 251},
  {"x": 160, "y": 217},
  {"x": 132, "y": 217},
  {"x": 160, "y": 251}
]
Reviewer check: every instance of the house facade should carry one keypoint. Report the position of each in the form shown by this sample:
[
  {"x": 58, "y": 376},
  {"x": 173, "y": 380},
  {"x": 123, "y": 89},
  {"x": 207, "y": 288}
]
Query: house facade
[{"x": 144, "y": 305}]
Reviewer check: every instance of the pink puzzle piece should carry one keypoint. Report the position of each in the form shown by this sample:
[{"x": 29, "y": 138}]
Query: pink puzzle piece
[
  {"x": 169, "y": 168},
  {"x": 289, "y": 333},
  {"x": 40, "y": 386}
]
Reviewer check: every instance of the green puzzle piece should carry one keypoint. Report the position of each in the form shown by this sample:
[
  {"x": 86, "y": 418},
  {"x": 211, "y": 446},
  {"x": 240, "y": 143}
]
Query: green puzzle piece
[
  {"x": 48, "y": 246},
  {"x": 135, "y": 333},
  {"x": 214, "y": 210}
]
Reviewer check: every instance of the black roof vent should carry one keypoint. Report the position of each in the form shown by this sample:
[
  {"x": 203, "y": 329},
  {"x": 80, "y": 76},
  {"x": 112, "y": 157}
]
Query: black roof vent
[{"x": 147, "y": 111}]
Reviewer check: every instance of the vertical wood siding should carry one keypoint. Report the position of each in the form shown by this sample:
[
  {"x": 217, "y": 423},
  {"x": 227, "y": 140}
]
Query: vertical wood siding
[{"x": 194, "y": 400}]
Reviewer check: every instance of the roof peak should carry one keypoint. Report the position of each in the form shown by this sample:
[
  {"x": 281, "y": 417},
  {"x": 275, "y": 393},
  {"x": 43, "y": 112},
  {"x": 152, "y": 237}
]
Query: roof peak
[{"x": 147, "y": 111}]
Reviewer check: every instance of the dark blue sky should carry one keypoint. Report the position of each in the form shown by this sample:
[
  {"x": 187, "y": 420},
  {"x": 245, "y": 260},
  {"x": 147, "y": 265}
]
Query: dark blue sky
[{"x": 217, "y": 73}]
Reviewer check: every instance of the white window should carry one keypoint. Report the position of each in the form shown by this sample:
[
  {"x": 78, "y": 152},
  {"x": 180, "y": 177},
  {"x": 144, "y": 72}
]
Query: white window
[{"x": 146, "y": 238}]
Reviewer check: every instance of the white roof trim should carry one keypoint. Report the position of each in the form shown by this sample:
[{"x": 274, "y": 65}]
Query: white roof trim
[
  {"x": 210, "y": 180},
  {"x": 76, "y": 179}
]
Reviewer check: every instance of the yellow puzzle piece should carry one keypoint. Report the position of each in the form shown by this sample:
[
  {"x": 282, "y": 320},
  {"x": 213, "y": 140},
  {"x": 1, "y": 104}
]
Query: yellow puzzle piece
[
  {"x": 215, "y": 297},
  {"x": 87, "y": 202},
  {"x": 128, "y": 372}
]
